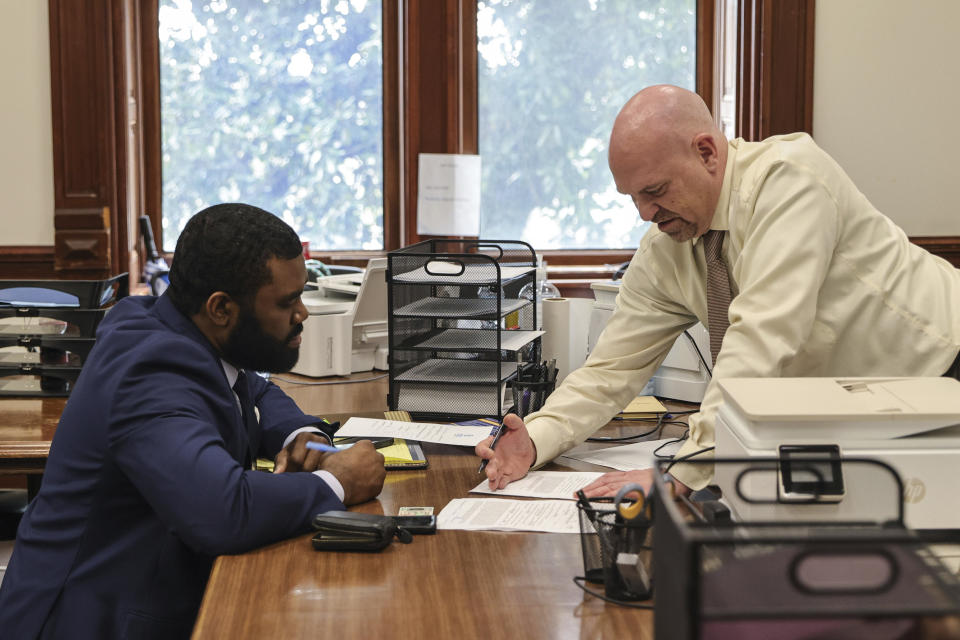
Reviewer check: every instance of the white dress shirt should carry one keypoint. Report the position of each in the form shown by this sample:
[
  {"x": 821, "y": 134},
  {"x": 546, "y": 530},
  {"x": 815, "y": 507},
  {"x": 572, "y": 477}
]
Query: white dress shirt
[{"x": 824, "y": 285}]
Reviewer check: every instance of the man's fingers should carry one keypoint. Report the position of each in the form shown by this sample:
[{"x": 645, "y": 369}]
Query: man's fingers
[
  {"x": 512, "y": 421},
  {"x": 604, "y": 480},
  {"x": 483, "y": 449},
  {"x": 493, "y": 473},
  {"x": 280, "y": 464},
  {"x": 312, "y": 460},
  {"x": 601, "y": 492}
]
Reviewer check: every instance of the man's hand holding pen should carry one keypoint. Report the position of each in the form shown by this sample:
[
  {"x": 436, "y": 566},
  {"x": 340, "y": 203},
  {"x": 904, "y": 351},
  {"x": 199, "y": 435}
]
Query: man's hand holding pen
[{"x": 513, "y": 456}]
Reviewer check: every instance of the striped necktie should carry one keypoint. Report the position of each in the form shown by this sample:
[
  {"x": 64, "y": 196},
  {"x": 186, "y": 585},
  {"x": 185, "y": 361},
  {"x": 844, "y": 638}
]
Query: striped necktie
[{"x": 718, "y": 290}]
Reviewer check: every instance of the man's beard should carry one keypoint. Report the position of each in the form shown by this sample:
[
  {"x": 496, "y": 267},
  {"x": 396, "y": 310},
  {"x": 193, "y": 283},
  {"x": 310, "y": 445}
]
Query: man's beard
[{"x": 249, "y": 347}]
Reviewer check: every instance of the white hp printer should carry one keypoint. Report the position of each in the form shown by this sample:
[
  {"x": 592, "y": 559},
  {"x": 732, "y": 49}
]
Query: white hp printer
[
  {"x": 347, "y": 328},
  {"x": 911, "y": 424}
]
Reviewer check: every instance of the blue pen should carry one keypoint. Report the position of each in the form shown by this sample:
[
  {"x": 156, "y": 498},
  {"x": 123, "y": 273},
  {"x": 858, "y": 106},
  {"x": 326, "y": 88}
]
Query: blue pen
[
  {"x": 496, "y": 432},
  {"x": 319, "y": 446}
]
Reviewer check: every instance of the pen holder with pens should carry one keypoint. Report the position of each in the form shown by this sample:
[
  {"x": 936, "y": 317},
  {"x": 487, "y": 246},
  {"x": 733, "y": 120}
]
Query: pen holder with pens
[
  {"x": 616, "y": 549},
  {"x": 532, "y": 387}
]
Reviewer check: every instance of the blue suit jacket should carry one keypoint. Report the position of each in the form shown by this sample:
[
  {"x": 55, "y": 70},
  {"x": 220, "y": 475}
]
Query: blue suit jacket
[{"x": 143, "y": 486}]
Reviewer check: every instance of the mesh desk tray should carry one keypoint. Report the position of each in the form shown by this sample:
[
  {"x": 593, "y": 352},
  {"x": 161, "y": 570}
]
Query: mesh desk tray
[
  {"x": 31, "y": 380},
  {"x": 78, "y": 294},
  {"x": 462, "y": 315},
  {"x": 49, "y": 350},
  {"x": 463, "y": 371},
  {"x": 862, "y": 576},
  {"x": 48, "y": 321},
  {"x": 460, "y": 308}
]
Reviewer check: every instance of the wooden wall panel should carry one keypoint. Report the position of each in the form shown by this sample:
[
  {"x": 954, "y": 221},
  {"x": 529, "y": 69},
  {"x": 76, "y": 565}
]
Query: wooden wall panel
[
  {"x": 81, "y": 90},
  {"x": 775, "y": 51},
  {"x": 94, "y": 96},
  {"x": 439, "y": 89}
]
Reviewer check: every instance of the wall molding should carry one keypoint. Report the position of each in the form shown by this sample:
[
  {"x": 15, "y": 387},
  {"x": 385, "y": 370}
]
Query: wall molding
[
  {"x": 27, "y": 262},
  {"x": 947, "y": 247},
  {"x": 36, "y": 262}
]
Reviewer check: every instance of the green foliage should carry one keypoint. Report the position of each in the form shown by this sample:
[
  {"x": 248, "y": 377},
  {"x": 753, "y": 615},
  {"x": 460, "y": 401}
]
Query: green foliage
[
  {"x": 277, "y": 103},
  {"x": 552, "y": 76}
]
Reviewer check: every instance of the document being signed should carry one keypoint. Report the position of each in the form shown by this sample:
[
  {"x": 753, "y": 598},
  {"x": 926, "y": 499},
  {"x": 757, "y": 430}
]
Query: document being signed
[
  {"x": 544, "y": 484},
  {"x": 486, "y": 514}
]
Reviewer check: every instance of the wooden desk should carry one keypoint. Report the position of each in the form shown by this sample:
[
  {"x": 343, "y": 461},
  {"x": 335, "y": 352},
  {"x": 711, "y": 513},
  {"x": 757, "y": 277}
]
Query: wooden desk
[
  {"x": 26, "y": 430},
  {"x": 27, "y": 425},
  {"x": 456, "y": 584}
]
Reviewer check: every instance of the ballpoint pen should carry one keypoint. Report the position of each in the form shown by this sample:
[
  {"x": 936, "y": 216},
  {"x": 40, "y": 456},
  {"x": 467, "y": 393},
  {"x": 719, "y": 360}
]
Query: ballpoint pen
[
  {"x": 495, "y": 432},
  {"x": 319, "y": 446}
]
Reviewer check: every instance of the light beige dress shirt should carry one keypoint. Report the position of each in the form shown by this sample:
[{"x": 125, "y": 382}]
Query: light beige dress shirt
[{"x": 824, "y": 285}]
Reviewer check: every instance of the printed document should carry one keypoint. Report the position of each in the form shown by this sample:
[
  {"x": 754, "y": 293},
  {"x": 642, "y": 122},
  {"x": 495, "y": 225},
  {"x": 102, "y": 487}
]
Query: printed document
[
  {"x": 638, "y": 455},
  {"x": 486, "y": 514},
  {"x": 544, "y": 484},
  {"x": 456, "y": 434}
]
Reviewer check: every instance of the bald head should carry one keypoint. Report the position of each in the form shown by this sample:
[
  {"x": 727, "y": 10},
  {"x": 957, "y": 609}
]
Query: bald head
[
  {"x": 669, "y": 155},
  {"x": 662, "y": 116}
]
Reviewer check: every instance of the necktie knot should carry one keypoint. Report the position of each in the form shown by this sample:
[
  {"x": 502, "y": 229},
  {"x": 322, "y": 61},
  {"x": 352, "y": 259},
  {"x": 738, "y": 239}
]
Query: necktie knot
[
  {"x": 238, "y": 385},
  {"x": 712, "y": 244}
]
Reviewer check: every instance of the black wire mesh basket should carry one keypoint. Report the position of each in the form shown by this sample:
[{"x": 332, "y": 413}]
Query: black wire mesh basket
[{"x": 617, "y": 551}]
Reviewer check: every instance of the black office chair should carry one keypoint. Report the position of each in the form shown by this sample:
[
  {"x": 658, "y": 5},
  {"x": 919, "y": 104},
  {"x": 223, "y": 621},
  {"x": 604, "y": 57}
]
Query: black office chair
[{"x": 13, "y": 502}]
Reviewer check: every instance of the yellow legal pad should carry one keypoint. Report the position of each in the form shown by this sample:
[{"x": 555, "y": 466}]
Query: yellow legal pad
[
  {"x": 399, "y": 455},
  {"x": 643, "y": 407},
  {"x": 403, "y": 455}
]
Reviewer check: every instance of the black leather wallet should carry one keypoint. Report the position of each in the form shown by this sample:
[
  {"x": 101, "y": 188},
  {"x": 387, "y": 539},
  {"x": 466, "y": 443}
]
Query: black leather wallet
[{"x": 350, "y": 531}]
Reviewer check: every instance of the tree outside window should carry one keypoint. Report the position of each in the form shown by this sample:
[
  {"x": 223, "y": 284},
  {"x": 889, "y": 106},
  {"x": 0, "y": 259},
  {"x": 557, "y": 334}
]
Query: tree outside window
[
  {"x": 277, "y": 103},
  {"x": 552, "y": 75}
]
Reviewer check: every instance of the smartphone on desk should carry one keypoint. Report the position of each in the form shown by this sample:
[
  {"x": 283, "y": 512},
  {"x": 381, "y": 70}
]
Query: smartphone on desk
[{"x": 417, "y": 524}]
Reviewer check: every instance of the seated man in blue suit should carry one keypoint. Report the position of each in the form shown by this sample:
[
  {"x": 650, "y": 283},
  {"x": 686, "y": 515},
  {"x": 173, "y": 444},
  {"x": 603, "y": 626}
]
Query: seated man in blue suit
[{"x": 149, "y": 475}]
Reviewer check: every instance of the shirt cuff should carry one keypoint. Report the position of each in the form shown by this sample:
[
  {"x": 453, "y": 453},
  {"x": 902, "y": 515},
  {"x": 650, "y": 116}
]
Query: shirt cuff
[
  {"x": 310, "y": 428},
  {"x": 331, "y": 481}
]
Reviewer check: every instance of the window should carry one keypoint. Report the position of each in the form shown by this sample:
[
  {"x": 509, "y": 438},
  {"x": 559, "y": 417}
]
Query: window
[
  {"x": 277, "y": 103},
  {"x": 552, "y": 75}
]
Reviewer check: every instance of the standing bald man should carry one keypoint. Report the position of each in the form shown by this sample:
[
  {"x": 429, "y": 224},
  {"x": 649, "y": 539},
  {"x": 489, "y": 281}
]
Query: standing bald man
[{"x": 822, "y": 284}]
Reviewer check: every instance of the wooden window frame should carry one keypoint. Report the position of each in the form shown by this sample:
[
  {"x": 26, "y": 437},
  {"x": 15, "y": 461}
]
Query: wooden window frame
[{"x": 430, "y": 105}]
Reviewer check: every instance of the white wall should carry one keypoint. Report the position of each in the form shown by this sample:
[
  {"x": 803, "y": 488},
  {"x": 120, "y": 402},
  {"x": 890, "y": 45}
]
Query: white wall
[
  {"x": 887, "y": 102},
  {"x": 26, "y": 136}
]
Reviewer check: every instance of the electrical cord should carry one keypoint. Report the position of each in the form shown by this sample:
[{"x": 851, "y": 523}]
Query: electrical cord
[
  {"x": 658, "y": 427},
  {"x": 659, "y": 456},
  {"x": 687, "y": 457},
  {"x": 329, "y": 382},
  {"x": 580, "y": 580},
  {"x": 699, "y": 353},
  {"x": 625, "y": 438}
]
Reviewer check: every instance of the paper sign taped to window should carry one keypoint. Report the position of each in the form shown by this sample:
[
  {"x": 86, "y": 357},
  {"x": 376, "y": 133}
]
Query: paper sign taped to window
[{"x": 448, "y": 195}]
